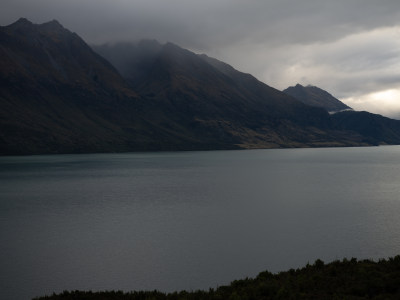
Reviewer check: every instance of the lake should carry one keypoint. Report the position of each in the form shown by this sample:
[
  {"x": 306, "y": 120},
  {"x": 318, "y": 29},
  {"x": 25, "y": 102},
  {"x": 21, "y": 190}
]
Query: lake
[{"x": 190, "y": 220}]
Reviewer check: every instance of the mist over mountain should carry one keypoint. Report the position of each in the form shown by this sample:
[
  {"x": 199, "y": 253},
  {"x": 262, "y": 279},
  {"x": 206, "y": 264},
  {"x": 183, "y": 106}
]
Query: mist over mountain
[
  {"x": 212, "y": 97},
  {"x": 58, "y": 95},
  {"x": 130, "y": 59}
]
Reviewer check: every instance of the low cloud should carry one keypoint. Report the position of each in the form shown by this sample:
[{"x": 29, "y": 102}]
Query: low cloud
[{"x": 384, "y": 102}]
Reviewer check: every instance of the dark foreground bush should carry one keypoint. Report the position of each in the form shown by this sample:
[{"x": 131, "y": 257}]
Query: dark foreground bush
[{"x": 346, "y": 279}]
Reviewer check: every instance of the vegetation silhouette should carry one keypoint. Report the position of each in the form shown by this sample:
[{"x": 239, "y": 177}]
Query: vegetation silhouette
[{"x": 346, "y": 279}]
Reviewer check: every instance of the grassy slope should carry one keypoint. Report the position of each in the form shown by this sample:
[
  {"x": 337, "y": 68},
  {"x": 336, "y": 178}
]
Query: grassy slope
[{"x": 347, "y": 279}]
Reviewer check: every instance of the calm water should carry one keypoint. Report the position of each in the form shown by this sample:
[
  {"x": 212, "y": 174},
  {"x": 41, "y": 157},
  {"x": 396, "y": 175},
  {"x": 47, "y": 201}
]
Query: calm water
[{"x": 190, "y": 220}]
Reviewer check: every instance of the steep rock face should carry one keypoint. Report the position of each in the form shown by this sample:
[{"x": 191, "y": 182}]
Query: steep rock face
[{"x": 314, "y": 96}]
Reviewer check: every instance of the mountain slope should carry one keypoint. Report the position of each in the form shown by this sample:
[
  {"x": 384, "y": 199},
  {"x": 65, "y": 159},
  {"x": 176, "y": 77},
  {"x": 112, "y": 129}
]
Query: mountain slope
[
  {"x": 58, "y": 96},
  {"x": 375, "y": 129},
  {"x": 218, "y": 102},
  {"x": 51, "y": 85},
  {"x": 314, "y": 96}
]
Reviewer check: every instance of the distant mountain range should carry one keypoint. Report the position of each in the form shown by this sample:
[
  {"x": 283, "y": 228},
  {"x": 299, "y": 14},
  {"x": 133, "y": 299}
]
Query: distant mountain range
[
  {"x": 376, "y": 129},
  {"x": 58, "y": 95}
]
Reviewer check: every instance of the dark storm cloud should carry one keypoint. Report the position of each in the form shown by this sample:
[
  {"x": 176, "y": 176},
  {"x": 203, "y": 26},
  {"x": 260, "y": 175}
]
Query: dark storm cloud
[
  {"x": 205, "y": 22},
  {"x": 346, "y": 46}
]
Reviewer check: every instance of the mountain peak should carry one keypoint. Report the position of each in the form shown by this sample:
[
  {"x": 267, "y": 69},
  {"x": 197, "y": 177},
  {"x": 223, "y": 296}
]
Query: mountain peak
[
  {"x": 53, "y": 27},
  {"x": 315, "y": 96},
  {"x": 21, "y": 22},
  {"x": 24, "y": 25}
]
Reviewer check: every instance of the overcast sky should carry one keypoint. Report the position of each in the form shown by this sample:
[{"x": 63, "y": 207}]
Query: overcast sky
[{"x": 351, "y": 48}]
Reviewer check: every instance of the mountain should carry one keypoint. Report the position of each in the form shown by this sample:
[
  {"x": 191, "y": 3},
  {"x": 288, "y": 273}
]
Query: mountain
[
  {"x": 58, "y": 95},
  {"x": 374, "y": 128},
  {"x": 314, "y": 96},
  {"x": 218, "y": 103},
  {"x": 55, "y": 91}
]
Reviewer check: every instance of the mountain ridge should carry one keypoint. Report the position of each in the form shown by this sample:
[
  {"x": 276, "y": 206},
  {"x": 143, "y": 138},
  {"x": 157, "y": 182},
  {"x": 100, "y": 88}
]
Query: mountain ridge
[
  {"x": 265, "y": 117},
  {"x": 58, "y": 95}
]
